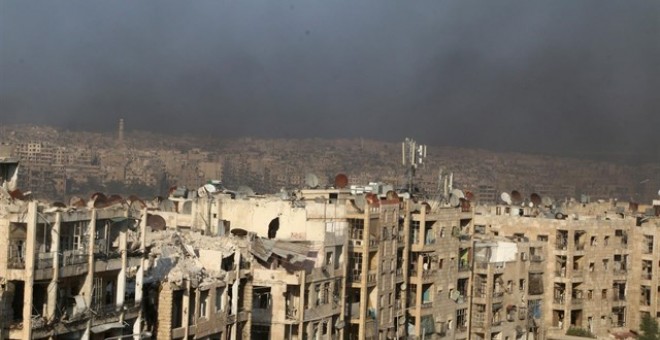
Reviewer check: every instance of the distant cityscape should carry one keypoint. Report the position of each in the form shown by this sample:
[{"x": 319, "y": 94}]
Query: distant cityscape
[{"x": 57, "y": 164}]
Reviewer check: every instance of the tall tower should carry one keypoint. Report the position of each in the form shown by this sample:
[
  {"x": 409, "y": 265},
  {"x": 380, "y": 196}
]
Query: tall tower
[{"x": 121, "y": 131}]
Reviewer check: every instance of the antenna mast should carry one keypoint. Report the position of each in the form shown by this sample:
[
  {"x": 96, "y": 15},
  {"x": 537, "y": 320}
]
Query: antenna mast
[{"x": 413, "y": 155}]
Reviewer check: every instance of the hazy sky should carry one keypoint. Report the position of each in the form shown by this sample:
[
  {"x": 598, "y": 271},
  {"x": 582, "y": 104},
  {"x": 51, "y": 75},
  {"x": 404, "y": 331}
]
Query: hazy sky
[{"x": 567, "y": 77}]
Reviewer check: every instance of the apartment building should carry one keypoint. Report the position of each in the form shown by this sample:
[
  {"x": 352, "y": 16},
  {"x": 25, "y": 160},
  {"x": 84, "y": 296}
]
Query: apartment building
[
  {"x": 70, "y": 273},
  {"x": 600, "y": 259}
]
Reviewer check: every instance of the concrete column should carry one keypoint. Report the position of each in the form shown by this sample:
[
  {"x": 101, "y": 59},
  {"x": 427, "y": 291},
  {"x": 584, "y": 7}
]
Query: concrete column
[
  {"x": 186, "y": 310},
  {"x": 121, "y": 277},
  {"x": 139, "y": 276},
  {"x": 29, "y": 269},
  {"x": 55, "y": 250},
  {"x": 234, "y": 293},
  {"x": 89, "y": 279},
  {"x": 405, "y": 266}
]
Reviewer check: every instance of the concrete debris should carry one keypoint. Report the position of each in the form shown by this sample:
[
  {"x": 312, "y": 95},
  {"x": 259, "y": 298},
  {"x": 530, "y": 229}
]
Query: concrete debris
[{"x": 181, "y": 256}]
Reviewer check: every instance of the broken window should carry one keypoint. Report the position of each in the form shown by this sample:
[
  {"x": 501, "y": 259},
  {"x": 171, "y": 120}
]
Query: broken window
[
  {"x": 273, "y": 227},
  {"x": 261, "y": 298},
  {"x": 219, "y": 292},
  {"x": 204, "y": 303}
]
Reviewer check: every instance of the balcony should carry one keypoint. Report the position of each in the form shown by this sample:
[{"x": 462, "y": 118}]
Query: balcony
[
  {"x": 463, "y": 266},
  {"x": 619, "y": 298},
  {"x": 427, "y": 304},
  {"x": 647, "y": 276},
  {"x": 620, "y": 272},
  {"x": 536, "y": 258}
]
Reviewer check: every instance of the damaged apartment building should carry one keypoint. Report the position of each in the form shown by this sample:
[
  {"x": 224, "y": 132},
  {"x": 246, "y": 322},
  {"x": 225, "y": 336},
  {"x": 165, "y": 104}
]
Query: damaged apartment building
[
  {"x": 316, "y": 263},
  {"x": 68, "y": 272},
  {"x": 326, "y": 264}
]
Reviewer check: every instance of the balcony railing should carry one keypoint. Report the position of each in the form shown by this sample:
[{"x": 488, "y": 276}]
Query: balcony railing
[
  {"x": 619, "y": 298},
  {"x": 621, "y": 271},
  {"x": 463, "y": 266},
  {"x": 647, "y": 276}
]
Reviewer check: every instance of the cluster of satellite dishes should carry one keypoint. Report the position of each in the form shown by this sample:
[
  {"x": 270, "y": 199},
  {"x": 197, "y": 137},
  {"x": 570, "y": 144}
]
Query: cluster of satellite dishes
[
  {"x": 312, "y": 181},
  {"x": 535, "y": 200}
]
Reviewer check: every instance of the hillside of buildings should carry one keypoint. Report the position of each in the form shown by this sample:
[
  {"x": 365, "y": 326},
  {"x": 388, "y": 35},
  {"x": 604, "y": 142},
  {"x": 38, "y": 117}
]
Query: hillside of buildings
[{"x": 57, "y": 164}]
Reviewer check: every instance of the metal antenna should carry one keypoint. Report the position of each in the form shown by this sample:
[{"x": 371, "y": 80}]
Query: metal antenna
[{"x": 413, "y": 155}]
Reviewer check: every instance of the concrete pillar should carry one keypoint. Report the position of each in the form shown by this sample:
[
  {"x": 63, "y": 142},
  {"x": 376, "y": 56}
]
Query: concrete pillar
[
  {"x": 406, "y": 263},
  {"x": 121, "y": 277},
  {"x": 89, "y": 279},
  {"x": 186, "y": 310},
  {"x": 139, "y": 276},
  {"x": 55, "y": 250},
  {"x": 88, "y": 287},
  {"x": 234, "y": 293},
  {"x": 29, "y": 269}
]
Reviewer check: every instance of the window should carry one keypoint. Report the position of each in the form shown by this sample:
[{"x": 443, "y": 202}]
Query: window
[
  {"x": 204, "y": 304},
  {"x": 329, "y": 257},
  {"x": 219, "y": 291},
  {"x": 543, "y": 238},
  {"x": 521, "y": 284},
  {"x": 603, "y": 294}
]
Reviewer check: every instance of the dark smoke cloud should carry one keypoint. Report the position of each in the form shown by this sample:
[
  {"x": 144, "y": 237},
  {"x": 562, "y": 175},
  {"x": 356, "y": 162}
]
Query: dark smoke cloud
[{"x": 563, "y": 77}]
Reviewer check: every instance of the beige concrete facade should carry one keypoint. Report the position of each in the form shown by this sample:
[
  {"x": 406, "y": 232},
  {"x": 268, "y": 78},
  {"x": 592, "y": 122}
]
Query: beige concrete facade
[
  {"x": 70, "y": 274},
  {"x": 600, "y": 264}
]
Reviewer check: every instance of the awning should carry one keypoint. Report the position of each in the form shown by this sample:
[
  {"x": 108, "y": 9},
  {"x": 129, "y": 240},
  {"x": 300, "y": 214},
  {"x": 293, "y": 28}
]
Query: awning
[{"x": 106, "y": 326}]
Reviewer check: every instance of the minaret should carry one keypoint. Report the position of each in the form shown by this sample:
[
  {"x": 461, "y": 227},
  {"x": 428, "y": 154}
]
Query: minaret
[{"x": 121, "y": 131}]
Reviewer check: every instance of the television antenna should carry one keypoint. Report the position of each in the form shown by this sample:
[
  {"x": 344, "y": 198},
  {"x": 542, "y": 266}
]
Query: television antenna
[{"x": 412, "y": 156}]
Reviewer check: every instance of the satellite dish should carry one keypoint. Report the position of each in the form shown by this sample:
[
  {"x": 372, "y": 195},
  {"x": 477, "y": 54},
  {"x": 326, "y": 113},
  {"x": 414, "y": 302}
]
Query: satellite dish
[
  {"x": 391, "y": 195},
  {"x": 547, "y": 201},
  {"x": 458, "y": 193},
  {"x": 77, "y": 202},
  {"x": 536, "y": 199},
  {"x": 245, "y": 190},
  {"x": 505, "y": 197},
  {"x": 360, "y": 201},
  {"x": 341, "y": 181},
  {"x": 210, "y": 188},
  {"x": 658, "y": 192},
  {"x": 311, "y": 180},
  {"x": 454, "y": 201},
  {"x": 404, "y": 287},
  {"x": 284, "y": 194},
  {"x": 516, "y": 197}
]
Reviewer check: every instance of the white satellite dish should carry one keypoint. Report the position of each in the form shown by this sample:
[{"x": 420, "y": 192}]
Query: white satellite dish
[
  {"x": 360, "y": 201},
  {"x": 546, "y": 201},
  {"x": 658, "y": 192},
  {"x": 311, "y": 180},
  {"x": 458, "y": 193},
  {"x": 505, "y": 197},
  {"x": 210, "y": 188},
  {"x": 454, "y": 201}
]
